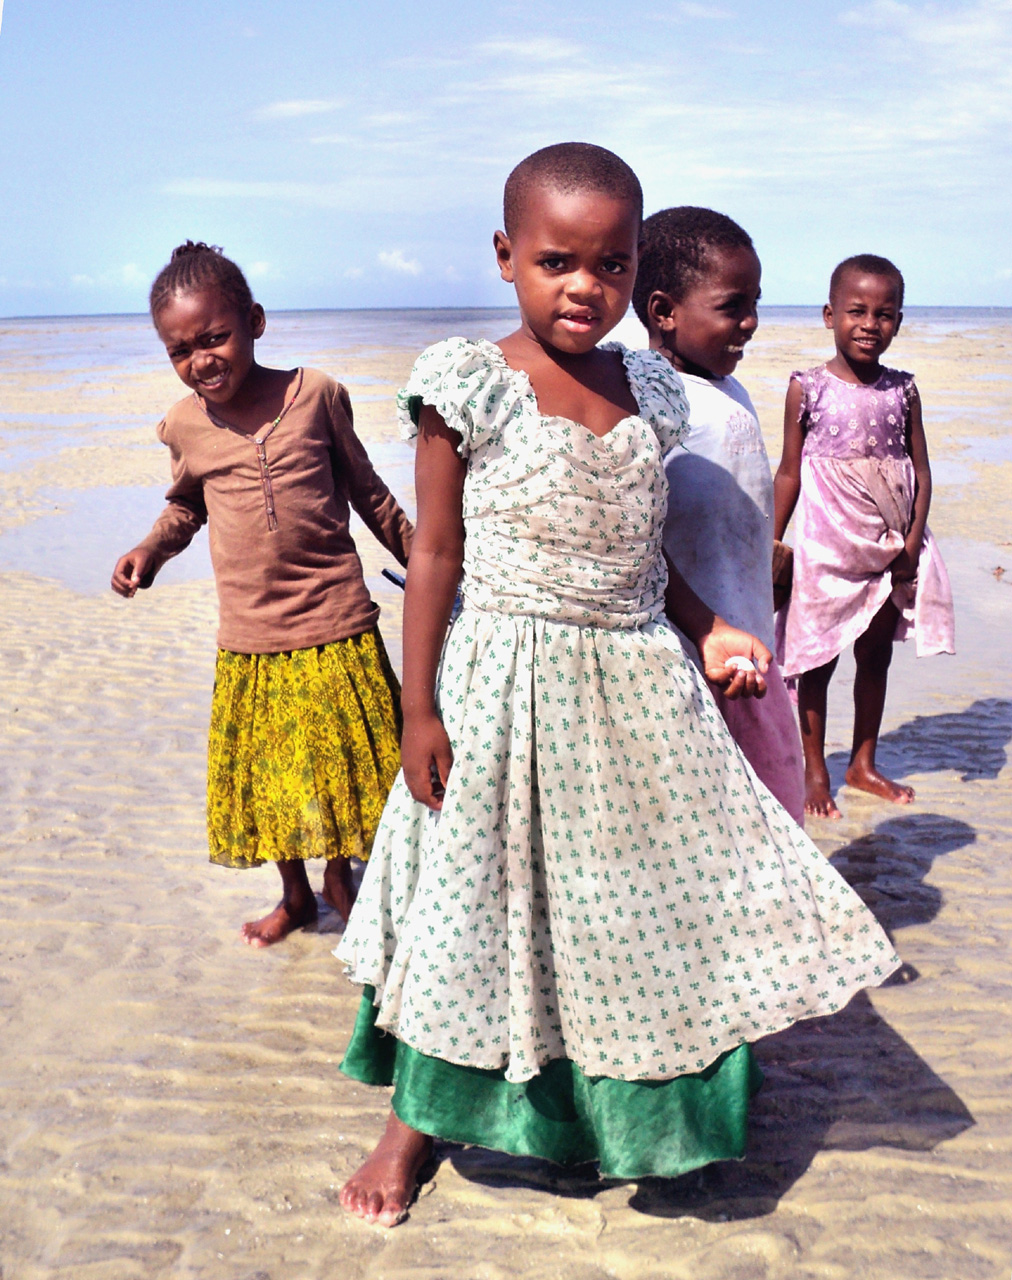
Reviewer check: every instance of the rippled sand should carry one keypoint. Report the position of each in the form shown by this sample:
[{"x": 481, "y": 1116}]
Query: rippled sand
[{"x": 172, "y": 1106}]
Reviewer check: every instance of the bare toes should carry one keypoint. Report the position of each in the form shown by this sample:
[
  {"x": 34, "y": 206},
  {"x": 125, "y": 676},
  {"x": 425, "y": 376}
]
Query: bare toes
[{"x": 276, "y": 925}]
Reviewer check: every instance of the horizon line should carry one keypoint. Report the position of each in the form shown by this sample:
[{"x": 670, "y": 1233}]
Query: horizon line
[{"x": 768, "y": 306}]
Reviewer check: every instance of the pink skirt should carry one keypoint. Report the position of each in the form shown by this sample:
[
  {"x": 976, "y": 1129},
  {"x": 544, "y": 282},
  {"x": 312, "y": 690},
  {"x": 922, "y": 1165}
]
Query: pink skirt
[
  {"x": 766, "y": 731},
  {"x": 849, "y": 527}
]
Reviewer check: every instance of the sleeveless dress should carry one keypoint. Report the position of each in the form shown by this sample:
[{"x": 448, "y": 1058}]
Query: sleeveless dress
[
  {"x": 569, "y": 960},
  {"x": 854, "y": 510}
]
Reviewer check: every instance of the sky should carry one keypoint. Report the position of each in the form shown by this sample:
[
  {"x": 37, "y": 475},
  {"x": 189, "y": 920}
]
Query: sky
[{"x": 353, "y": 155}]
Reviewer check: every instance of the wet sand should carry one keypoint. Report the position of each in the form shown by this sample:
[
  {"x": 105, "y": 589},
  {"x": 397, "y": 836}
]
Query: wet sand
[{"x": 172, "y": 1106}]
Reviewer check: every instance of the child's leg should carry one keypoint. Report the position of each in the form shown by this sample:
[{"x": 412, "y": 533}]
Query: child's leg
[
  {"x": 338, "y": 887},
  {"x": 873, "y": 653},
  {"x": 812, "y": 689},
  {"x": 382, "y": 1189},
  {"x": 296, "y": 908}
]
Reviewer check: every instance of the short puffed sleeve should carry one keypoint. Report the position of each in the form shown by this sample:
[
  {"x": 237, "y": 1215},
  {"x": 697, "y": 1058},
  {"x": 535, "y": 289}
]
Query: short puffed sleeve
[
  {"x": 469, "y": 385},
  {"x": 660, "y": 394}
]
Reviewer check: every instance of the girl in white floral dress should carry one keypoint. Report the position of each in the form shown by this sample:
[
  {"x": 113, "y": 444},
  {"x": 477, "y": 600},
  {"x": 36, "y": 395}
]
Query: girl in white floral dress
[{"x": 581, "y": 904}]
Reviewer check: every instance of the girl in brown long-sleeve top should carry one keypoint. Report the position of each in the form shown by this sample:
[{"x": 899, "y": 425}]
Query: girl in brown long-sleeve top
[{"x": 305, "y": 714}]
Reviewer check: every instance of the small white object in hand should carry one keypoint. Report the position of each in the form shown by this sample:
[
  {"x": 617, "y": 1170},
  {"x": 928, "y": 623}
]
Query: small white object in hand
[{"x": 740, "y": 663}]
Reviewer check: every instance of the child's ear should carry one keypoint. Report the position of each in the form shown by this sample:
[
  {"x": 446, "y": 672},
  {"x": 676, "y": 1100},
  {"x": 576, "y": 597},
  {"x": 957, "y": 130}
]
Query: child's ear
[
  {"x": 504, "y": 255},
  {"x": 661, "y": 312},
  {"x": 257, "y": 320},
  {"x": 827, "y": 315},
  {"x": 899, "y": 321}
]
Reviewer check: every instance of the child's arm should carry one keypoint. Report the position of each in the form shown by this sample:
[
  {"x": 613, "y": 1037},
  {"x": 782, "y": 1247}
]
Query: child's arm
[
  {"x": 787, "y": 482},
  {"x": 367, "y": 493},
  {"x": 171, "y": 533},
  {"x": 904, "y": 567},
  {"x": 437, "y": 554},
  {"x": 716, "y": 640}
]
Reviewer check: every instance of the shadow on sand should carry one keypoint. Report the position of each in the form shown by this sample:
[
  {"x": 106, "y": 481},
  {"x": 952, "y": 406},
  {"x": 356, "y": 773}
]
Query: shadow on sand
[
  {"x": 972, "y": 743},
  {"x": 846, "y": 1082}
]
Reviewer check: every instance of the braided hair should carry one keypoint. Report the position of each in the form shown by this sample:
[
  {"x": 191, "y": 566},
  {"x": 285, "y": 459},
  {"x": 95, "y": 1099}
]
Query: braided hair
[{"x": 194, "y": 266}]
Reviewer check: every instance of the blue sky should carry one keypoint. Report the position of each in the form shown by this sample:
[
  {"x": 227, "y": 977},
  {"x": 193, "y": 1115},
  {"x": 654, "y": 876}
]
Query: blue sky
[{"x": 354, "y": 154}]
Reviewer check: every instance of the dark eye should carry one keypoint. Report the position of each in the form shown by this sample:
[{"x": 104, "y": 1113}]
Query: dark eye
[
  {"x": 177, "y": 353},
  {"x": 554, "y": 262},
  {"x": 614, "y": 268},
  {"x": 213, "y": 339}
]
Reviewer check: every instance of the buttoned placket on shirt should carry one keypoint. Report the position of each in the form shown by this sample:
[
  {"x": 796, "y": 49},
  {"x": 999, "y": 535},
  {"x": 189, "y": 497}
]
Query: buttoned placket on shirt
[{"x": 259, "y": 441}]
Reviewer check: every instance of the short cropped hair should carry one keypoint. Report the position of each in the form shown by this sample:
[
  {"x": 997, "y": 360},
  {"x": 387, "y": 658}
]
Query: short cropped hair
[
  {"x": 869, "y": 264},
  {"x": 568, "y": 167},
  {"x": 675, "y": 251},
  {"x": 195, "y": 266}
]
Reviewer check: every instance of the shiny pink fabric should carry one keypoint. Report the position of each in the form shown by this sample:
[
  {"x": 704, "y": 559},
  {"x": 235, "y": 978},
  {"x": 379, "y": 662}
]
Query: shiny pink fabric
[
  {"x": 849, "y": 526},
  {"x": 766, "y": 731}
]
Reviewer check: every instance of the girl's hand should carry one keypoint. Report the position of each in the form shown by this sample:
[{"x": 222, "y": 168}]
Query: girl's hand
[
  {"x": 135, "y": 569},
  {"x": 723, "y": 642},
  {"x": 904, "y": 567},
  {"x": 426, "y": 758}
]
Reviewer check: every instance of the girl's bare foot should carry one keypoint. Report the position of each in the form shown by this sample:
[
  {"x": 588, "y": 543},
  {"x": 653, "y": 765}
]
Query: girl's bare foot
[
  {"x": 383, "y": 1188},
  {"x": 339, "y": 889},
  {"x": 818, "y": 800},
  {"x": 865, "y": 779},
  {"x": 278, "y": 924}
]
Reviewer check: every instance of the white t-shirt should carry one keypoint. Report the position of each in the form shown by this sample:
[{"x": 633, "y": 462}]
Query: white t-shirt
[{"x": 719, "y": 527}]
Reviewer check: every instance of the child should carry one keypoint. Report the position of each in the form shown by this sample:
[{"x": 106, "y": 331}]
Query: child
[
  {"x": 866, "y": 569},
  {"x": 696, "y": 292},
  {"x": 580, "y": 908},
  {"x": 304, "y": 719}
]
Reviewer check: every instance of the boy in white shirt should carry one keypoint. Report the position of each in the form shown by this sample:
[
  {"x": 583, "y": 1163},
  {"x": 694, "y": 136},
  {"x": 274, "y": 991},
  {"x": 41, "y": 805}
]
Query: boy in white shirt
[{"x": 696, "y": 292}]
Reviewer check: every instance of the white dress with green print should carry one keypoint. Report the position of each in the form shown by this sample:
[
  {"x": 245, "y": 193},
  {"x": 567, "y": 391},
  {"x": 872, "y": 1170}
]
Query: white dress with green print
[{"x": 607, "y": 881}]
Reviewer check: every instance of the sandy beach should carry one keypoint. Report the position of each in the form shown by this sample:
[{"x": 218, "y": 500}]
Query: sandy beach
[{"x": 172, "y": 1105}]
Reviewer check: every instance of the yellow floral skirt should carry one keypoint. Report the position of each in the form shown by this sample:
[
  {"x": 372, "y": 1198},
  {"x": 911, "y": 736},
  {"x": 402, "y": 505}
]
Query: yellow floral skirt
[{"x": 303, "y": 748}]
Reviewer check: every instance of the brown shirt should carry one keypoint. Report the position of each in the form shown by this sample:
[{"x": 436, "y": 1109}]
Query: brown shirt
[{"x": 285, "y": 564}]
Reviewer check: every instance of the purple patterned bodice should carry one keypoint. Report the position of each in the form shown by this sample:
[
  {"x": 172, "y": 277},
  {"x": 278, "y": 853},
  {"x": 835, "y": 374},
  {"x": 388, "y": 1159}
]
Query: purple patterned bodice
[{"x": 849, "y": 420}]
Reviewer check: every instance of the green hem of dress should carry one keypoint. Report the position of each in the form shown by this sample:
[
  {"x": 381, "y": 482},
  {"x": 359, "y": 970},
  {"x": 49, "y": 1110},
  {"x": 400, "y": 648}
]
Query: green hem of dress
[{"x": 630, "y": 1128}]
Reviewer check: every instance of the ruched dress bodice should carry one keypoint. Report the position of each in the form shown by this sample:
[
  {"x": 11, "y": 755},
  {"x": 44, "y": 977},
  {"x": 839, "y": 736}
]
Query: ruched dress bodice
[{"x": 560, "y": 524}]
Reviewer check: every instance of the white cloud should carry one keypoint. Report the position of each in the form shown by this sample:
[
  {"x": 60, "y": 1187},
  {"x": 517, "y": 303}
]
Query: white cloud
[
  {"x": 542, "y": 49},
  {"x": 319, "y": 195},
  {"x": 129, "y": 275},
  {"x": 394, "y": 260},
  {"x": 928, "y": 117},
  {"x": 354, "y": 273},
  {"x": 707, "y": 12},
  {"x": 259, "y": 270},
  {"x": 293, "y": 108}
]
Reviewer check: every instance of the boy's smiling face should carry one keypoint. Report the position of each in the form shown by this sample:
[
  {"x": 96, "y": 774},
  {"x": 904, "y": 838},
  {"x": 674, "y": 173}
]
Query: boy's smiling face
[
  {"x": 706, "y": 332},
  {"x": 572, "y": 260}
]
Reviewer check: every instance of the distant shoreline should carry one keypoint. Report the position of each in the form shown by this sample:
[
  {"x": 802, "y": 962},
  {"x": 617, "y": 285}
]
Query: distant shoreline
[{"x": 767, "y": 311}]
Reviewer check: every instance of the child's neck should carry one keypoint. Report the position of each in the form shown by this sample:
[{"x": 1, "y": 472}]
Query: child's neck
[
  {"x": 860, "y": 374},
  {"x": 679, "y": 362},
  {"x": 589, "y": 387},
  {"x": 259, "y": 399}
]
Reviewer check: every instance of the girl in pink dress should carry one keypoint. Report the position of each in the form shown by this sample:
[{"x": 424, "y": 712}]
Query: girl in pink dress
[{"x": 866, "y": 569}]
